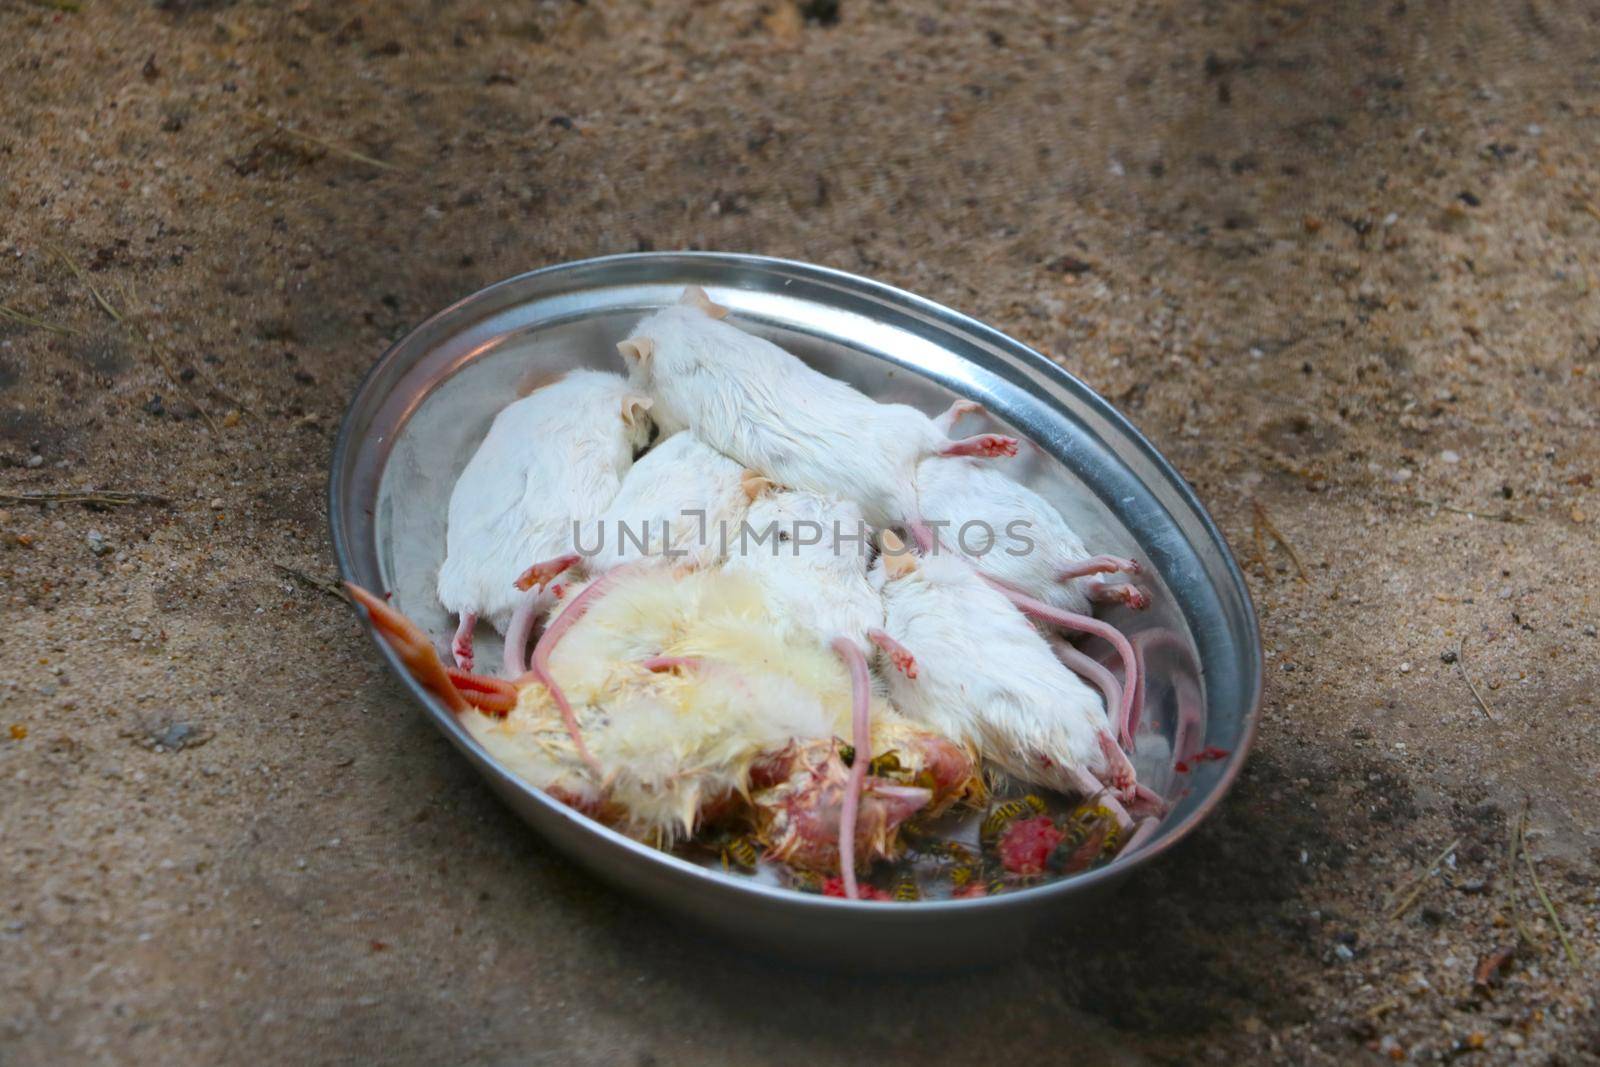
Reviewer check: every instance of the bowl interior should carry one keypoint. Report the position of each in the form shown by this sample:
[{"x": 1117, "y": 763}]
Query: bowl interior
[{"x": 427, "y": 405}]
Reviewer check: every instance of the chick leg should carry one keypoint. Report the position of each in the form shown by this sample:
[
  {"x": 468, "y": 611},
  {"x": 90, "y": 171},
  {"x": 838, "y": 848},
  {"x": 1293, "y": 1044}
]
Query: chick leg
[
  {"x": 983, "y": 446},
  {"x": 860, "y": 691},
  {"x": 411, "y": 645},
  {"x": 1132, "y": 682},
  {"x": 1098, "y": 565},
  {"x": 898, "y": 654},
  {"x": 461, "y": 645},
  {"x": 492, "y": 696}
]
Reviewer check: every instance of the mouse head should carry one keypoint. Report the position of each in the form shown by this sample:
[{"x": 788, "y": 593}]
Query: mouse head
[
  {"x": 636, "y": 425},
  {"x": 823, "y": 530},
  {"x": 639, "y": 350},
  {"x": 896, "y": 559}
]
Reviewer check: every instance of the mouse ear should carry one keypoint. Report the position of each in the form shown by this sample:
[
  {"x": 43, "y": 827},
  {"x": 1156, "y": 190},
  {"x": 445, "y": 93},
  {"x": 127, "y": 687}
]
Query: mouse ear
[
  {"x": 694, "y": 296},
  {"x": 898, "y": 560},
  {"x": 754, "y": 484},
  {"x": 634, "y": 408},
  {"x": 636, "y": 350}
]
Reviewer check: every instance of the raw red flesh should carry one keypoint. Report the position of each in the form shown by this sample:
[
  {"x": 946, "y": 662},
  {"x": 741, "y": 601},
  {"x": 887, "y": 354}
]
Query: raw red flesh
[{"x": 1026, "y": 846}]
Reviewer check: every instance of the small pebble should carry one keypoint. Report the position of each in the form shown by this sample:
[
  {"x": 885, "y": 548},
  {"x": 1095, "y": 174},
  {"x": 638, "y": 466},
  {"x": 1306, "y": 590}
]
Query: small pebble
[
  {"x": 1450, "y": 456},
  {"x": 1405, "y": 668},
  {"x": 216, "y": 503},
  {"x": 97, "y": 543},
  {"x": 35, "y": 460},
  {"x": 1447, "y": 656},
  {"x": 1344, "y": 952}
]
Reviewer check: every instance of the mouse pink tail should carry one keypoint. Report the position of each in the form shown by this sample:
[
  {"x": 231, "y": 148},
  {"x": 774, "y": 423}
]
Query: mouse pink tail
[
  {"x": 514, "y": 658},
  {"x": 860, "y": 722},
  {"x": 1132, "y": 685},
  {"x": 1092, "y": 670},
  {"x": 540, "y": 669}
]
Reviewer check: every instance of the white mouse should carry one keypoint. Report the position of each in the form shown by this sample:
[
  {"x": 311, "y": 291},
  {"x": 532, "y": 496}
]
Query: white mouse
[
  {"x": 811, "y": 564},
  {"x": 1017, "y": 536},
  {"x": 553, "y": 457},
  {"x": 987, "y": 677},
  {"x": 753, "y": 401},
  {"x": 678, "y": 507}
]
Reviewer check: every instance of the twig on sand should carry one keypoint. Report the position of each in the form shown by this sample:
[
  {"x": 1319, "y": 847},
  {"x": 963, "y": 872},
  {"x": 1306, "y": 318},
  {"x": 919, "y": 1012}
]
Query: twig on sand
[
  {"x": 1437, "y": 505},
  {"x": 105, "y": 498},
  {"x": 1550, "y": 909},
  {"x": 1461, "y": 665},
  {"x": 117, "y": 317},
  {"x": 1264, "y": 521},
  {"x": 321, "y": 585},
  {"x": 331, "y": 146},
  {"x": 9, "y": 312},
  {"x": 1415, "y": 887},
  {"x": 1513, "y": 847}
]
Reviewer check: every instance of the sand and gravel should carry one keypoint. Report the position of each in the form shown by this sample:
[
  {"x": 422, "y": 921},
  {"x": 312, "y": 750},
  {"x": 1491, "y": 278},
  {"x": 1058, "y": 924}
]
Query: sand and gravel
[{"x": 1341, "y": 262}]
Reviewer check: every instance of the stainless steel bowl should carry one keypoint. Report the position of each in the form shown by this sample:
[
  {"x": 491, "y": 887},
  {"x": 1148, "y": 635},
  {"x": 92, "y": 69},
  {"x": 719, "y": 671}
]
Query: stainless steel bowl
[{"x": 423, "y": 408}]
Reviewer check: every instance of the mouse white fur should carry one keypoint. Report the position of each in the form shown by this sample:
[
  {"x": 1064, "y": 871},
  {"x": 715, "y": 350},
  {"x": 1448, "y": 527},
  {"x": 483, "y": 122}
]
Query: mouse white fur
[
  {"x": 988, "y": 678},
  {"x": 1017, "y": 536},
  {"x": 812, "y": 567},
  {"x": 553, "y": 457},
  {"x": 764, "y": 407},
  {"x": 681, "y": 502}
]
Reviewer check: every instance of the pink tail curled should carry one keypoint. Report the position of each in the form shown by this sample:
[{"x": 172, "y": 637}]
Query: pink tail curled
[
  {"x": 860, "y": 691},
  {"x": 540, "y": 670},
  {"x": 1191, "y": 725},
  {"x": 1133, "y": 683},
  {"x": 514, "y": 659},
  {"x": 1085, "y": 666}
]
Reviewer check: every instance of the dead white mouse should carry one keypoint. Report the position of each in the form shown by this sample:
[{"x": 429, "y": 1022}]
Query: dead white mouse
[
  {"x": 986, "y": 676},
  {"x": 678, "y": 507},
  {"x": 753, "y": 401},
  {"x": 811, "y": 565},
  {"x": 551, "y": 458},
  {"x": 1017, "y": 536}
]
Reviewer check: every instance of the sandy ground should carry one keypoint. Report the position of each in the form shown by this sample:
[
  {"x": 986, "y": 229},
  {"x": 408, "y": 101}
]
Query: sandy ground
[{"x": 1339, "y": 261}]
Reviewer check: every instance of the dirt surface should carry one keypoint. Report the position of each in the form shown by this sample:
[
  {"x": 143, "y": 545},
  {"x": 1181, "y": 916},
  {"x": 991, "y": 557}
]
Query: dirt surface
[{"x": 1339, "y": 261}]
